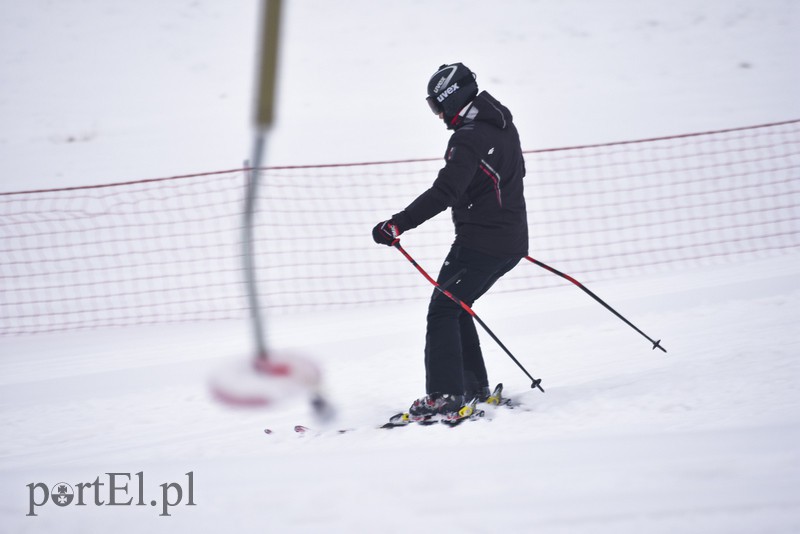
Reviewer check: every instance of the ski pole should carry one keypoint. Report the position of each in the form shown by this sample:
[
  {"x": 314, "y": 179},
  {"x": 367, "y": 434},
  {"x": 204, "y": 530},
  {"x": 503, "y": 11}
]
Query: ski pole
[
  {"x": 535, "y": 382},
  {"x": 595, "y": 297}
]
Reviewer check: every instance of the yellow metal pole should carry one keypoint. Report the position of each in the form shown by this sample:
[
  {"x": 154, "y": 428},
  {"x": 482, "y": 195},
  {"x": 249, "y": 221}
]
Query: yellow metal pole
[{"x": 265, "y": 114}]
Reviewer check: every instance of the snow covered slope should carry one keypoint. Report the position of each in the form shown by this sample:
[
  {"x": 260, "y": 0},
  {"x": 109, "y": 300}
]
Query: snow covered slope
[{"x": 625, "y": 439}]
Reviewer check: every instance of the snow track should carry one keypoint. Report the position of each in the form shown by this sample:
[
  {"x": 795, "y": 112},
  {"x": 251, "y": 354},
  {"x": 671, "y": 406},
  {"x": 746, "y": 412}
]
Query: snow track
[{"x": 626, "y": 439}]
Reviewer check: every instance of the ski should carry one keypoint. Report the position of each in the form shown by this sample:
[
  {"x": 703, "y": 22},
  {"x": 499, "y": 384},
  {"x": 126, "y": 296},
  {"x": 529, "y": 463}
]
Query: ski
[
  {"x": 468, "y": 412},
  {"x": 471, "y": 411},
  {"x": 303, "y": 430},
  {"x": 496, "y": 398},
  {"x": 300, "y": 429}
]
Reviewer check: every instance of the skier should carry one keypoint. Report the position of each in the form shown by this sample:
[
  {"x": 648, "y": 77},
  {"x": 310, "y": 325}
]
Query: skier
[{"x": 482, "y": 182}]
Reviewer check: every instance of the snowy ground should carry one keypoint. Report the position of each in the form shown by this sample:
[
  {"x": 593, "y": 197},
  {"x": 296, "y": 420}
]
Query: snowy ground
[
  {"x": 625, "y": 439},
  {"x": 703, "y": 439}
]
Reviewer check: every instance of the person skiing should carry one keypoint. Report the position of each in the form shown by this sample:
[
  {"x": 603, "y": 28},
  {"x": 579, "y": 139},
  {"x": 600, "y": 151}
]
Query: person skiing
[{"x": 482, "y": 182}]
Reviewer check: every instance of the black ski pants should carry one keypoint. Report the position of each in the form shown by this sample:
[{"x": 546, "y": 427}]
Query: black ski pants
[{"x": 453, "y": 359}]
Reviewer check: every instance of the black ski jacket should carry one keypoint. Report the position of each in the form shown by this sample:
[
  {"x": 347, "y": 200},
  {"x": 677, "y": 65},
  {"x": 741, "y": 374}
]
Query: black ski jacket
[{"x": 482, "y": 183}]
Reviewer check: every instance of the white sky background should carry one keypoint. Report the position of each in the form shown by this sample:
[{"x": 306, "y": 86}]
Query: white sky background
[{"x": 99, "y": 92}]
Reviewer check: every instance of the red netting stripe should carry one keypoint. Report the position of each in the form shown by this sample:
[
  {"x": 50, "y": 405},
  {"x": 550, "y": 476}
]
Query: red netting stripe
[{"x": 166, "y": 250}]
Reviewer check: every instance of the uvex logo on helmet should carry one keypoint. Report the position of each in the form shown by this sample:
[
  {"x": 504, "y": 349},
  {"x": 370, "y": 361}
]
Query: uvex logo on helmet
[{"x": 447, "y": 92}]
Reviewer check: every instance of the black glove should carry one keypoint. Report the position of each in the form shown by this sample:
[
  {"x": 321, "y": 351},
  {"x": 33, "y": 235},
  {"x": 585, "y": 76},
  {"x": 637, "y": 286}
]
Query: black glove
[{"x": 386, "y": 232}]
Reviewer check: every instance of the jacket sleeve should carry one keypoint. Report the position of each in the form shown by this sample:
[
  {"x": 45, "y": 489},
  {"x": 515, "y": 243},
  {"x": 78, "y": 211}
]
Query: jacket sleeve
[{"x": 461, "y": 162}]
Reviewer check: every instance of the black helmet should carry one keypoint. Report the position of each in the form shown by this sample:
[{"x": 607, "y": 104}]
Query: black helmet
[{"x": 450, "y": 89}]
